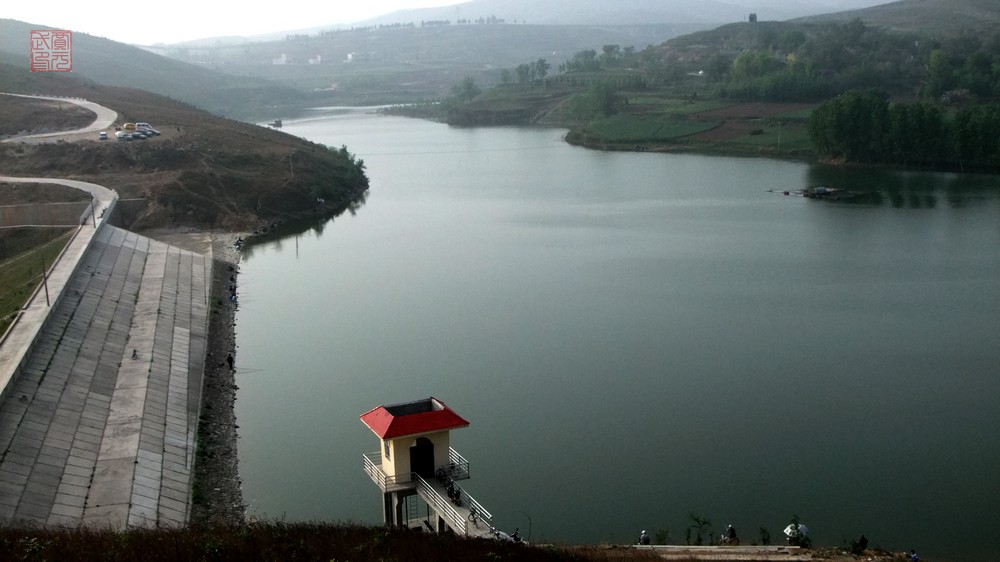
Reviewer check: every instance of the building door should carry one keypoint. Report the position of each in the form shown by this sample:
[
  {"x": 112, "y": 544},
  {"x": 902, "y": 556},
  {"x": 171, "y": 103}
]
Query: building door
[{"x": 422, "y": 457}]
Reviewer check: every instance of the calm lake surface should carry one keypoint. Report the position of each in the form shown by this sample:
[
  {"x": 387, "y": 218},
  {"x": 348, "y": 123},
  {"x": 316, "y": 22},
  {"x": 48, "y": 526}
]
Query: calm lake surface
[{"x": 635, "y": 337}]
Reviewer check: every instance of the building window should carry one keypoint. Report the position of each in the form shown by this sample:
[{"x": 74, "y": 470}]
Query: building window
[{"x": 386, "y": 443}]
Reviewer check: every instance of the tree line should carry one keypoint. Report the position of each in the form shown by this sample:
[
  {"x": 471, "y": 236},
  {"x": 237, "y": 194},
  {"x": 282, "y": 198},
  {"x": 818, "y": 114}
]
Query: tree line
[
  {"x": 864, "y": 127},
  {"x": 526, "y": 73}
]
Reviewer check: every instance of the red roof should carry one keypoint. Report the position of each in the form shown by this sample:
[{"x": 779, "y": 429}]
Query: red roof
[{"x": 412, "y": 418}]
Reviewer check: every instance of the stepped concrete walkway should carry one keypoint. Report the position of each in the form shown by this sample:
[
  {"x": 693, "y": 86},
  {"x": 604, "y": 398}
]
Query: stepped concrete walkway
[{"x": 99, "y": 427}]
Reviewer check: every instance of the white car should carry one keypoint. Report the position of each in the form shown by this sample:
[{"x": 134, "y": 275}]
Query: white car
[{"x": 102, "y": 136}]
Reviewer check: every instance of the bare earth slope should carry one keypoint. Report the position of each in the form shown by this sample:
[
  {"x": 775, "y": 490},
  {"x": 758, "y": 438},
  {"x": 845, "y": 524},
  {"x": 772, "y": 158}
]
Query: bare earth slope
[{"x": 204, "y": 171}]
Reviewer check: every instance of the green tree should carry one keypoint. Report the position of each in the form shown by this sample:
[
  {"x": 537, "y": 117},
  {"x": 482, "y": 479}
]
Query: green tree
[
  {"x": 940, "y": 74},
  {"x": 541, "y": 69},
  {"x": 610, "y": 54},
  {"x": 601, "y": 100},
  {"x": 718, "y": 67},
  {"x": 605, "y": 98},
  {"x": 466, "y": 91},
  {"x": 749, "y": 65},
  {"x": 976, "y": 137},
  {"x": 918, "y": 134},
  {"x": 523, "y": 72},
  {"x": 853, "y": 126},
  {"x": 583, "y": 61}
]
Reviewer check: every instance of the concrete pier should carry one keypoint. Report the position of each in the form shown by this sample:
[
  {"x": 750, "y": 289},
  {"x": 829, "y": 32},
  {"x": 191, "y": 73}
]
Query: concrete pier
[{"x": 99, "y": 426}]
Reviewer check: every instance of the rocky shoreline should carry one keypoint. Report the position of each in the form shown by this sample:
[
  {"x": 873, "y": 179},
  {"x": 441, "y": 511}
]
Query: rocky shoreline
[{"x": 217, "y": 494}]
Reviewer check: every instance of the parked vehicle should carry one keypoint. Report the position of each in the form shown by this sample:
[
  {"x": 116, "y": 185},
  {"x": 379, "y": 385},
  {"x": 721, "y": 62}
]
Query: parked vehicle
[
  {"x": 102, "y": 136},
  {"x": 146, "y": 127},
  {"x": 129, "y": 126},
  {"x": 122, "y": 135}
]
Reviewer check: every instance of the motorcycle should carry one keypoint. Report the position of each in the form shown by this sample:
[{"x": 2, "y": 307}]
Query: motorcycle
[{"x": 454, "y": 494}]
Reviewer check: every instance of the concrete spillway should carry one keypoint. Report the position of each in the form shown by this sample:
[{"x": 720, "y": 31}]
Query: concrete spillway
[{"x": 99, "y": 426}]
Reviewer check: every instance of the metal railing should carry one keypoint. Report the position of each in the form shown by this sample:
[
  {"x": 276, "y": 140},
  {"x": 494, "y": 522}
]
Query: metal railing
[
  {"x": 373, "y": 468},
  {"x": 458, "y": 466},
  {"x": 457, "y": 517},
  {"x": 442, "y": 506},
  {"x": 476, "y": 511}
]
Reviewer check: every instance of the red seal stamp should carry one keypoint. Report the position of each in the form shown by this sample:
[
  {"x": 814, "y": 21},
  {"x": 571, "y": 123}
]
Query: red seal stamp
[{"x": 51, "y": 50}]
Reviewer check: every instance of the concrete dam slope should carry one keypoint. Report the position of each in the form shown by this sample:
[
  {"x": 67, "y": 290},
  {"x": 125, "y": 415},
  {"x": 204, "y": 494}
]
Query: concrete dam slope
[{"x": 100, "y": 426}]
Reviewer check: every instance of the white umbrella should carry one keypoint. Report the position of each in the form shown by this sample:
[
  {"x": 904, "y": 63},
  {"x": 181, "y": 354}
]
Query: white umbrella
[{"x": 790, "y": 531}]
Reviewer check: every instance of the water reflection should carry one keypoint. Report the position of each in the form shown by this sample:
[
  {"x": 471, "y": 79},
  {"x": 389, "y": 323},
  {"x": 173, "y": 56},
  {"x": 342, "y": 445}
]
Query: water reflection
[
  {"x": 903, "y": 189},
  {"x": 274, "y": 234},
  {"x": 740, "y": 354}
]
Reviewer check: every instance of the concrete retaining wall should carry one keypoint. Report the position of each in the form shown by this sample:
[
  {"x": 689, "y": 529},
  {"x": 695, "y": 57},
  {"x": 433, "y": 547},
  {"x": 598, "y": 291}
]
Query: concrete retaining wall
[{"x": 23, "y": 334}]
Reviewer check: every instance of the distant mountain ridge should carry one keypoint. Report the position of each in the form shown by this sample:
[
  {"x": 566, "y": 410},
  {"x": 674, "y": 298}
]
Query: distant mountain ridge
[
  {"x": 117, "y": 64},
  {"x": 935, "y": 18},
  {"x": 624, "y": 12}
]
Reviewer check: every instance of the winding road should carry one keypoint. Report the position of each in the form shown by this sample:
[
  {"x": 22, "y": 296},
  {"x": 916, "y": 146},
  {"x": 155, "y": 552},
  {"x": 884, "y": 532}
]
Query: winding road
[{"x": 105, "y": 118}]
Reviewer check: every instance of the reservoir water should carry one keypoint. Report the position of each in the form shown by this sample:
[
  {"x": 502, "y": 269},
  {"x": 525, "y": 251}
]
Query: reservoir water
[{"x": 635, "y": 338}]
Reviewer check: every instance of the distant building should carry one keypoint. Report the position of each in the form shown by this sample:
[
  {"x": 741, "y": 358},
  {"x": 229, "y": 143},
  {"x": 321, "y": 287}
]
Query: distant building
[
  {"x": 283, "y": 59},
  {"x": 316, "y": 60},
  {"x": 753, "y": 18}
]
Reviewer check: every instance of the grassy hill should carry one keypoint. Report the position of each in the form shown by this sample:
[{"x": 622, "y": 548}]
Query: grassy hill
[
  {"x": 205, "y": 171},
  {"x": 115, "y": 64},
  {"x": 933, "y": 18},
  {"x": 750, "y": 87},
  {"x": 622, "y": 12},
  {"x": 403, "y": 64}
]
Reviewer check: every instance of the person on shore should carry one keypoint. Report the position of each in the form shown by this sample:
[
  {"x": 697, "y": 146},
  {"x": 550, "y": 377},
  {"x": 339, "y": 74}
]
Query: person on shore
[
  {"x": 731, "y": 537},
  {"x": 644, "y": 538},
  {"x": 231, "y": 361},
  {"x": 913, "y": 556},
  {"x": 797, "y": 534},
  {"x": 859, "y": 546}
]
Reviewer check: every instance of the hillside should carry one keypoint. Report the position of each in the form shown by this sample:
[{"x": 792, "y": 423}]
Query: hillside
[
  {"x": 203, "y": 172},
  {"x": 934, "y": 18},
  {"x": 115, "y": 64},
  {"x": 370, "y": 66},
  {"x": 623, "y": 12}
]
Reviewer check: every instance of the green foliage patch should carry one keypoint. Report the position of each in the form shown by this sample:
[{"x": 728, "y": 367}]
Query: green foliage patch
[{"x": 624, "y": 127}]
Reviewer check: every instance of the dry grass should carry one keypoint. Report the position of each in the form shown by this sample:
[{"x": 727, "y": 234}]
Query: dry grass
[
  {"x": 40, "y": 116},
  {"x": 203, "y": 172},
  {"x": 25, "y": 193},
  {"x": 262, "y": 542},
  {"x": 24, "y": 255}
]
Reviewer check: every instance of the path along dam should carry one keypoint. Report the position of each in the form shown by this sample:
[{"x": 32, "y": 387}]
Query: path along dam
[{"x": 101, "y": 378}]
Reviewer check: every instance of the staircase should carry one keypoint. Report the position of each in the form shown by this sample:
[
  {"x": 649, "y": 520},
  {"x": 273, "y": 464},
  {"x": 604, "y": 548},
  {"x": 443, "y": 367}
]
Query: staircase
[{"x": 470, "y": 519}]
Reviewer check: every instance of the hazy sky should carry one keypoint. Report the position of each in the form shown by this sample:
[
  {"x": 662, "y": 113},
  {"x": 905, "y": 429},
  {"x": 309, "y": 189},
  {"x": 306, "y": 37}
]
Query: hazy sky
[{"x": 172, "y": 21}]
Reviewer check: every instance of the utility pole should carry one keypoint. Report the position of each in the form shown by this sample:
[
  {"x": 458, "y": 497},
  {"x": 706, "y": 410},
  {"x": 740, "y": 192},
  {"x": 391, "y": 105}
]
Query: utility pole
[{"x": 45, "y": 279}]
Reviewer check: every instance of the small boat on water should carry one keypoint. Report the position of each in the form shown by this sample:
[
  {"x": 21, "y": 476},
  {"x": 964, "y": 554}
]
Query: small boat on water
[
  {"x": 821, "y": 192},
  {"x": 276, "y": 123}
]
